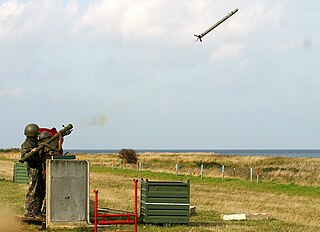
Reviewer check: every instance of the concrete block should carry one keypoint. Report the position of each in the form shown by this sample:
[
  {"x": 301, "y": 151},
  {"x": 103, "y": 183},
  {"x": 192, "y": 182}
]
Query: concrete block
[
  {"x": 249, "y": 216},
  {"x": 234, "y": 217},
  {"x": 67, "y": 193}
]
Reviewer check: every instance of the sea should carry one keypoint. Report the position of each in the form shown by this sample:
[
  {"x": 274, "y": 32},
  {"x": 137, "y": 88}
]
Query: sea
[{"x": 298, "y": 153}]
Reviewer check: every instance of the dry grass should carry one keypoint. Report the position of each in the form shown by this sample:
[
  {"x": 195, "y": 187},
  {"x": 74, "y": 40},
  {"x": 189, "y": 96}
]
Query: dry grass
[
  {"x": 6, "y": 170},
  {"x": 10, "y": 155},
  {"x": 116, "y": 190},
  {"x": 207, "y": 197},
  {"x": 302, "y": 171},
  {"x": 228, "y": 200}
]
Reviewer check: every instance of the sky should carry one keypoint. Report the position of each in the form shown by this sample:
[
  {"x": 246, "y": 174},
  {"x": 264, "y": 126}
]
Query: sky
[{"x": 130, "y": 74}]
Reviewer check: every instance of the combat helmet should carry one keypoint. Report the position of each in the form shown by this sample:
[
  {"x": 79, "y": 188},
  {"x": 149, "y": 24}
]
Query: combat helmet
[
  {"x": 31, "y": 130},
  {"x": 44, "y": 135}
]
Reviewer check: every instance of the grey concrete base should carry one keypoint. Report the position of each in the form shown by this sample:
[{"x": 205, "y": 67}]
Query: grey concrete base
[
  {"x": 67, "y": 193},
  {"x": 234, "y": 217}
]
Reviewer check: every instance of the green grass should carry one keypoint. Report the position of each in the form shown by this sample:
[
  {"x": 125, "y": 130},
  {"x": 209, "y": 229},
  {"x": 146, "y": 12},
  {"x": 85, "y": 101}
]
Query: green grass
[
  {"x": 288, "y": 189},
  {"x": 12, "y": 195}
]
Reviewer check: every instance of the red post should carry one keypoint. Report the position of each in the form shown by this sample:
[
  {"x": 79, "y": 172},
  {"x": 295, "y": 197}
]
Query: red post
[
  {"x": 95, "y": 210},
  {"x": 103, "y": 221},
  {"x": 135, "y": 205}
]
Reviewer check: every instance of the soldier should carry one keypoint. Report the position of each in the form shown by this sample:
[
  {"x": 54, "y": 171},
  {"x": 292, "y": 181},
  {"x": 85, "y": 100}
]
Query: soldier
[
  {"x": 44, "y": 155},
  {"x": 52, "y": 149},
  {"x": 35, "y": 192},
  {"x": 46, "y": 151}
]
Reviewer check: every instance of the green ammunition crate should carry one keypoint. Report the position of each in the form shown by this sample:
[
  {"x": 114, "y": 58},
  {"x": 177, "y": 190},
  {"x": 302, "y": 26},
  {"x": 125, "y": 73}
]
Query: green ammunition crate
[
  {"x": 164, "y": 202},
  {"x": 20, "y": 174}
]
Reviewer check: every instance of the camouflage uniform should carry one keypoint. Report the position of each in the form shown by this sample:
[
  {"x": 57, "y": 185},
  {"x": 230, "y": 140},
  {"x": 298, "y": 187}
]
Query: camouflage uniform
[
  {"x": 35, "y": 193},
  {"x": 47, "y": 152}
]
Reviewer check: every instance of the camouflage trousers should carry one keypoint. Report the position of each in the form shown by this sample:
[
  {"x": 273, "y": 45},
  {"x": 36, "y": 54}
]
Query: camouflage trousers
[{"x": 36, "y": 191}]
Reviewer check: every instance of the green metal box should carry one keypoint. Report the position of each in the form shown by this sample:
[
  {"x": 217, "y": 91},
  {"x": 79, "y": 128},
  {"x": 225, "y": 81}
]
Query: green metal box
[
  {"x": 20, "y": 174},
  {"x": 164, "y": 202}
]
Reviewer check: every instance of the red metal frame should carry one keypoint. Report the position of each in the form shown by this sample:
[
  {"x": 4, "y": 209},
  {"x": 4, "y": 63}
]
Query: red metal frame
[{"x": 104, "y": 221}]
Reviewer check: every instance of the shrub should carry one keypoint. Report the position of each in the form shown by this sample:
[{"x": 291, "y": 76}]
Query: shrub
[{"x": 128, "y": 155}]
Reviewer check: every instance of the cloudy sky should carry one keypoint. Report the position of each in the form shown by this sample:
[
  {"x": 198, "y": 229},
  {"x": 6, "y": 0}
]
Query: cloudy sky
[{"x": 130, "y": 74}]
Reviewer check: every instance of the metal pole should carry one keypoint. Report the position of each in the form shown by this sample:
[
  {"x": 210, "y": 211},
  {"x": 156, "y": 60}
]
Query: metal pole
[
  {"x": 222, "y": 170},
  {"x": 135, "y": 205},
  {"x": 95, "y": 210},
  {"x": 201, "y": 171},
  {"x": 177, "y": 168}
]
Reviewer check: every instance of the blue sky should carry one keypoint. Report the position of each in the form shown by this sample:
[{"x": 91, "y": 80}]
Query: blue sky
[{"x": 130, "y": 74}]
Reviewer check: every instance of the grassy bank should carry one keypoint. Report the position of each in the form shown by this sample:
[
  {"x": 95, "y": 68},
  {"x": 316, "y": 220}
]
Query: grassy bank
[
  {"x": 272, "y": 187},
  {"x": 292, "y": 206},
  {"x": 302, "y": 171}
]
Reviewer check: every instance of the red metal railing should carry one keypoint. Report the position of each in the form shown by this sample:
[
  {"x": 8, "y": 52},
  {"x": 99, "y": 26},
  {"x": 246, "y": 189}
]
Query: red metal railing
[{"x": 131, "y": 218}]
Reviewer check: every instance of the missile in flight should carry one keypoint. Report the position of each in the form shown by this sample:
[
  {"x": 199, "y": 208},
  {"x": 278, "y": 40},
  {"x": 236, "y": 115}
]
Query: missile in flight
[{"x": 215, "y": 25}]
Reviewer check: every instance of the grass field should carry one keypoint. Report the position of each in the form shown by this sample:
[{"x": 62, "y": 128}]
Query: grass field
[{"x": 292, "y": 202}]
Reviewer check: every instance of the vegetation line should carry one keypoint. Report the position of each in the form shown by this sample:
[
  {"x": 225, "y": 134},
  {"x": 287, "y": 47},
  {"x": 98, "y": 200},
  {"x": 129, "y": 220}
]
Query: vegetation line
[{"x": 287, "y": 189}]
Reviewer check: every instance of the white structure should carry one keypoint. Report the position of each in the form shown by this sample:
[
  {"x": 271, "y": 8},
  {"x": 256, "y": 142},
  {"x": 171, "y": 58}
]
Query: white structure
[
  {"x": 237, "y": 217},
  {"x": 242, "y": 216}
]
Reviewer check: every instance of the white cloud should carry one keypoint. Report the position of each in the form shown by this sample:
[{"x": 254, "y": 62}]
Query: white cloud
[
  {"x": 8, "y": 10},
  {"x": 260, "y": 15},
  {"x": 9, "y": 13},
  {"x": 72, "y": 8},
  {"x": 102, "y": 18},
  {"x": 138, "y": 22},
  {"x": 37, "y": 20},
  {"x": 133, "y": 20}
]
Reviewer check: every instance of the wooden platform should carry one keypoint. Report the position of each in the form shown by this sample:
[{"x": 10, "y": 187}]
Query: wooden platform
[{"x": 29, "y": 220}]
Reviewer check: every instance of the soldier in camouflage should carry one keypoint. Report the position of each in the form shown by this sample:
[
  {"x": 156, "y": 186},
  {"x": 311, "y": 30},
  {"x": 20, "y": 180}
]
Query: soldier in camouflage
[
  {"x": 52, "y": 149},
  {"x": 35, "y": 192},
  {"x": 44, "y": 154}
]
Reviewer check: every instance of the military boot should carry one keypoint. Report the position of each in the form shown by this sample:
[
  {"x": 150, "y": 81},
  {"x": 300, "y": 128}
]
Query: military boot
[{"x": 29, "y": 215}]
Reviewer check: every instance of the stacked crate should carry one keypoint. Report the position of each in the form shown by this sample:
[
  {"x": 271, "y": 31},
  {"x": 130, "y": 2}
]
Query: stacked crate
[
  {"x": 164, "y": 202},
  {"x": 20, "y": 174}
]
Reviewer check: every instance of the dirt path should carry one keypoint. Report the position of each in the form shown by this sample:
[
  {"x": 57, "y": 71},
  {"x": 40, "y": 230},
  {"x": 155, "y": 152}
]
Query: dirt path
[{"x": 6, "y": 169}]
